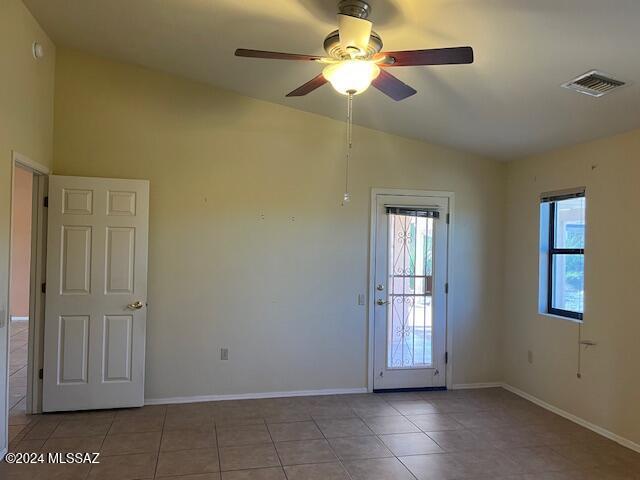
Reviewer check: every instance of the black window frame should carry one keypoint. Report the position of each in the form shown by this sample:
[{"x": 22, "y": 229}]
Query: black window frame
[{"x": 559, "y": 251}]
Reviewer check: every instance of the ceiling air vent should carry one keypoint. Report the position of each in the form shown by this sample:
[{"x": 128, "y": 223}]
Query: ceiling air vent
[{"x": 594, "y": 84}]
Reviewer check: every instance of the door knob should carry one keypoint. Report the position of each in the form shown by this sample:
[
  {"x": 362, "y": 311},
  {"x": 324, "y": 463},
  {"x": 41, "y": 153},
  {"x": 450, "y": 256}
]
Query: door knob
[
  {"x": 381, "y": 302},
  {"x": 136, "y": 305}
]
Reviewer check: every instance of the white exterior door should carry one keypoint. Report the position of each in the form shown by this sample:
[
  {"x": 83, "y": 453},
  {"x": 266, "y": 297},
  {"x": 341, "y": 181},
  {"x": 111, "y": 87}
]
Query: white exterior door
[
  {"x": 411, "y": 236},
  {"x": 95, "y": 319}
]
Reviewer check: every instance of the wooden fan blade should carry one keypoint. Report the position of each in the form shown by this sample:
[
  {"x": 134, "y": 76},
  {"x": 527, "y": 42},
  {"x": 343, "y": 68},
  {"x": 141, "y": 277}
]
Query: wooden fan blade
[
  {"x": 433, "y": 56},
  {"x": 308, "y": 87},
  {"x": 392, "y": 86},
  {"x": 243, "y": 52}
]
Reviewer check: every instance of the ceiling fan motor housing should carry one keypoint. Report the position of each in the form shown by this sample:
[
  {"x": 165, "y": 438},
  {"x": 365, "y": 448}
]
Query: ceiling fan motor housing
[
  {"x": 354, "y": 8},
  {"x": 335, "y": 49}
]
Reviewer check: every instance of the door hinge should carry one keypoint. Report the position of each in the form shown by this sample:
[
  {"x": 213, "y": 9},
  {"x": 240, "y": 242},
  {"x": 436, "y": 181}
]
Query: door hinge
[
  {"x": 46, "y": 202},
  {"x": 43, "y": 288},
  {"x": 446, "y": 357},
  {"x": 446, "y": 288},
  {"x": 448, "y": 218},
  {"x": 40, "y": 374}
]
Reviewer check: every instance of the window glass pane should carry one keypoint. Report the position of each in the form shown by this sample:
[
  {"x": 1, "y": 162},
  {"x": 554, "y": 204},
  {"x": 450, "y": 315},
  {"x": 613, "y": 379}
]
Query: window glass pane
[
  {"x": 568, "y": 282},
  {"x": 569, "y": 223},
  {"x": 409, "y": 337}
]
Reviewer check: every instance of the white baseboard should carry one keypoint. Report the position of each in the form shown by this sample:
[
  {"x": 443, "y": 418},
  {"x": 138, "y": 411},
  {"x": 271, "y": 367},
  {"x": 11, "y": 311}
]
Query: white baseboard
[
  {"x": 250, "y": 396},
  {"x": 569, "y": 416},
  {"x": 467, "y": 386}
]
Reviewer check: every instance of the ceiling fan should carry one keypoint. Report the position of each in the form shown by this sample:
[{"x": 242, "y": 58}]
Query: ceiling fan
[{"x": 355, "y": 60}]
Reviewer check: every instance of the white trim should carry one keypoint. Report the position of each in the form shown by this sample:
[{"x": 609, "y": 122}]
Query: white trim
[
  {"x": 468, "y": 386},
  {"x": 560, "y": 317},
  {"x": 372, "y": 261},
  {"x": 19, "y": 319},
  {"x": 37, "y": 298},
  {"x": 570, "y": 416},
  {"x": 450, "y": 291},
  {"x": 25, "y": 161},
  {"x": 252, "y": 396},
  {"x": 371, "y": 290},
  {"x": 3, "y": 452}
]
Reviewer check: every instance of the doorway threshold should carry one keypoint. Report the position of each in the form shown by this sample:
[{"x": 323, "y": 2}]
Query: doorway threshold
[{"x": 416, "y": 389}]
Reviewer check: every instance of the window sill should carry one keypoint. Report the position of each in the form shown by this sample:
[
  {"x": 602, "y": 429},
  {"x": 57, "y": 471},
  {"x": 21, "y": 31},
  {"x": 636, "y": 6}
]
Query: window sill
[{"x": 560, "y": 317}]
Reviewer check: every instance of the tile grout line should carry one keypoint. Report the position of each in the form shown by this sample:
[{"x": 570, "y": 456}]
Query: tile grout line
[
  {"x": 101, "y": 444},
  {"x": 266, "y": 426},
  {"x": 215, "y": 428},
  {"x": 394, "y": 455},
  {"x": 313, "y": 419},
  {"x": 164, "y": 420}
]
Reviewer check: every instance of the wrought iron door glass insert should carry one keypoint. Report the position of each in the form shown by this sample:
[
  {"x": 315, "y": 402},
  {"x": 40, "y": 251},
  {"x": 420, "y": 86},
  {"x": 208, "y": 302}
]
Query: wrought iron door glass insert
[{"x": 410, "y": 270}]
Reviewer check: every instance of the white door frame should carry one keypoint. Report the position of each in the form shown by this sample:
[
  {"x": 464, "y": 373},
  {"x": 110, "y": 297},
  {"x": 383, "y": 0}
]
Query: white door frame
[
  {"x": 36, "y": 300},
  {"x": 375, "y": 192}
]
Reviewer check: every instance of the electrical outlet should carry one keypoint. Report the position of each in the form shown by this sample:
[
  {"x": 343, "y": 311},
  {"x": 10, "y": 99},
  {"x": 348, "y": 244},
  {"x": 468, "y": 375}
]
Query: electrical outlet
[
  {"x": 361, "y": 299},
  {"x": 224, "y": 354},
  {"x": 529, "y": 356}
]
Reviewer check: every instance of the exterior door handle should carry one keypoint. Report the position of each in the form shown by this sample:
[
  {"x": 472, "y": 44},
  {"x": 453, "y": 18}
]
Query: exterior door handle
[
  {"x": 136, "y": 305},
  {"x": 381, "y": 302}
]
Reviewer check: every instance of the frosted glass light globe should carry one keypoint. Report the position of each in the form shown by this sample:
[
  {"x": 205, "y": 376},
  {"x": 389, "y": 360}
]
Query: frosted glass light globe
[{"x": 351, "y": 76}]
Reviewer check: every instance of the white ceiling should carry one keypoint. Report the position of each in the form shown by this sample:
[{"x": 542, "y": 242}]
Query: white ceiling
[{"x": 507, "y": 104}]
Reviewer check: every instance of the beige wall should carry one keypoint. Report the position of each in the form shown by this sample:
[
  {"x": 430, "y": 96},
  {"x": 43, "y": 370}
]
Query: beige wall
[
  {"x": 21, "y": 242},
  {"x": 249, "y": 246},
  {"x": 608, "y": 394},
  {"x": 26, "y": 125}
]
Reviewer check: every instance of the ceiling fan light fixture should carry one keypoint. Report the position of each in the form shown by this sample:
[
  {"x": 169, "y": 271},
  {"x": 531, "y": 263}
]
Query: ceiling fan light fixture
[{"x": 351, "y": 76}]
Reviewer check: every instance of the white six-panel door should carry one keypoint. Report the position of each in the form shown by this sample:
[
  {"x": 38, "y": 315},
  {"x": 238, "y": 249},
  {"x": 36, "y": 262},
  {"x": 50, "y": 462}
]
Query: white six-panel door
[{"x": 96, "y": 293}]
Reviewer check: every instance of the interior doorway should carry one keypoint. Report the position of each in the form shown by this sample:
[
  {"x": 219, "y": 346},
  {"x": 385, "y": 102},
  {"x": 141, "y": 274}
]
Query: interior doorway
[
  {"x": 26, "y": 291},
  {"x": 21, "y": 214}
]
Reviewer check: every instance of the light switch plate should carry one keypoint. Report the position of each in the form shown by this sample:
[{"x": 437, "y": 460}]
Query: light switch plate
[{"x": 361, "y": 299}]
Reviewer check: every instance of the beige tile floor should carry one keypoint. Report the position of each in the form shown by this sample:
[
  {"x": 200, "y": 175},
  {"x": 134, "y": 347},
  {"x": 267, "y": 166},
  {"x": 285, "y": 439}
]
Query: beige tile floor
[
  {"x": 473, "y": 434},
  {"x": 18, "y": 339}
]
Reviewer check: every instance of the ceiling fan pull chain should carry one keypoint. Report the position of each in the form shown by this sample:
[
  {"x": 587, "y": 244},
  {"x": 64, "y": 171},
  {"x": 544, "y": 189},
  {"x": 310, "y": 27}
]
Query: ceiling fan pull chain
[{"x": 347, "y": 196}]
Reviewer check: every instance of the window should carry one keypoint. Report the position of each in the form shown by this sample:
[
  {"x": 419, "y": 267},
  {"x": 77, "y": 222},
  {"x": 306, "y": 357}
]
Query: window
[{"x": 562, "y": 261}]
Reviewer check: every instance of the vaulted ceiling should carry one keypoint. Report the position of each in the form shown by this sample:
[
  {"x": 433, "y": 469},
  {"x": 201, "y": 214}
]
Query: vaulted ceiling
[{"x": 506, "y": 105}]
